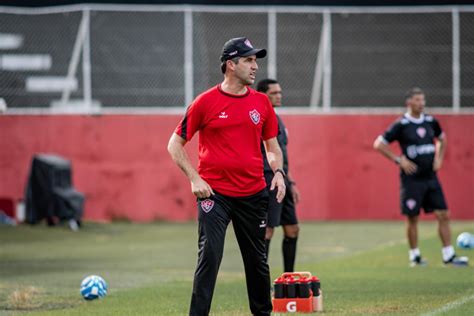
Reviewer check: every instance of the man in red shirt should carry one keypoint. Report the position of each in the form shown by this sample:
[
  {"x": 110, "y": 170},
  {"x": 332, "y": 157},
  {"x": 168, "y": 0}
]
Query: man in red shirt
[{"x": 232, "y": 120}]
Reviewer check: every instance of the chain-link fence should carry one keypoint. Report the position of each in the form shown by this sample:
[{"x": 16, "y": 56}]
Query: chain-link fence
[
  {"x": 467, "y": 58},
  {"x": 163, "y": 56},
  {"x": 35, "y": 50},
  {"x": 376, "y": 57}
]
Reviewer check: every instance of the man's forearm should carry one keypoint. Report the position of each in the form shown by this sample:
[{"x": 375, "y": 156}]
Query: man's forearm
[
  {"x": 180, "y": 157},
  {"x": 275, "y": 158},
  {"x": 385, "y": 150},
  {"x": 441, "y": 148}
]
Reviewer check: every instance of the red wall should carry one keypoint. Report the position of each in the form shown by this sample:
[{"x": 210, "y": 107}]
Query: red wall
[{"x": 120, "y": 162}]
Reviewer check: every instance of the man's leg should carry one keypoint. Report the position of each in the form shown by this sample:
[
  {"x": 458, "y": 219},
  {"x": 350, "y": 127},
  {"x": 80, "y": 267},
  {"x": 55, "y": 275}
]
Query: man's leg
[
  {"x": 290, "y": 230},
  {"x": 411, "y": 199},
  {"x": 273, "y": 217},
  {"x": 249, "y": 218},
  {"x": 414, "y": 253},
  {"x": 435, "y": 201},
  {"x": 268, "y": 237},
  {"x": 412, "y": 231},
  {"x": 444, "y": 229},
  {"x": 444, "y": 232},
  {"x": 273, "y": 212},
  {"x": 289, "y": 246},
  {"x": 213, "y": 221}
]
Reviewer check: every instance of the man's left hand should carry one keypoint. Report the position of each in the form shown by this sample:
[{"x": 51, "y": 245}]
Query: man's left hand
[{"x": 278, "y": 182}]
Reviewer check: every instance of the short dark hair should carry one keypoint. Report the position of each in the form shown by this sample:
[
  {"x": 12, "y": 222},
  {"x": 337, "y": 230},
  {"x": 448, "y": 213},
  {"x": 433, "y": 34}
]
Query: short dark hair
[
  {"x": 263, "y": 84},
  {"x": 224, "y": 63},
  {"x": 412, "y": 92}
]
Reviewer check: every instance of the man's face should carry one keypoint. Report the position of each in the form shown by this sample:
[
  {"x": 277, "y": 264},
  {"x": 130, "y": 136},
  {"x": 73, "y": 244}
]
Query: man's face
[
  {"x": 246, "y": 69},
  {"x": 274, "y": 94},
  {"x": 417, "y": 103}
]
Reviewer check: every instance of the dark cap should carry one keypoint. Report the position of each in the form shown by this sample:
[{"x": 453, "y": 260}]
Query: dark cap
[{"x": 240, "y": 47}]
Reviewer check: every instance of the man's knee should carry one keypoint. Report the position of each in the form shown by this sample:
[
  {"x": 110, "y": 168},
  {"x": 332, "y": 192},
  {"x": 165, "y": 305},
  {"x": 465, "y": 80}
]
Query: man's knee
[
  {"x": 269, "y": 233},
  {"x": 291, "y": 231},
  {"x": 442, "y": 215},
  {"x": 412, "y": 220}
]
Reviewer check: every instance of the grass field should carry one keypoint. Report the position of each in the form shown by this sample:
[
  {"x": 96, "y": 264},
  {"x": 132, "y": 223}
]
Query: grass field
[{"x": 149, "y": 267}]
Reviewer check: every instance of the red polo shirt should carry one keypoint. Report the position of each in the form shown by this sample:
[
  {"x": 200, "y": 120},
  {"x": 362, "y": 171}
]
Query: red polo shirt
[{"x": 231, "y": 128}]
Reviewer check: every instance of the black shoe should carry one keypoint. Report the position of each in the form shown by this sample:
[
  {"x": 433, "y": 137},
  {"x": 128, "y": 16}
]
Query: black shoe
[
  {"x": 418, "y": 261},
  {"x": 457, "y": 261}
]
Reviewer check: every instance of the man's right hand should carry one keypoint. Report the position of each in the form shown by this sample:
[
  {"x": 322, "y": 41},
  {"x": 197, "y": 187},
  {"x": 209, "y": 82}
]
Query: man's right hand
[
  {"x": 201, "y": 188},
  {"x": 408, "y": 166}
]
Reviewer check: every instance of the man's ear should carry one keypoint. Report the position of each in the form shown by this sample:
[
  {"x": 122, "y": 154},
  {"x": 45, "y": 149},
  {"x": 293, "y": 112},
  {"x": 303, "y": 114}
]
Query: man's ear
[{"x": 230, "y": 64}]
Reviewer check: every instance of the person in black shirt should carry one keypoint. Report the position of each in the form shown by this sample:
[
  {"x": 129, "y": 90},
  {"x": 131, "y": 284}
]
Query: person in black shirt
[
  {"x": 423, "y": 144},
  {"x": 283, "y": 213}
]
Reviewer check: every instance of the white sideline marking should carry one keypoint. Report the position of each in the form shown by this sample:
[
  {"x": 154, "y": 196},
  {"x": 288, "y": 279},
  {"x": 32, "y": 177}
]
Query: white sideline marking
[{"x": 451, "y": 305}]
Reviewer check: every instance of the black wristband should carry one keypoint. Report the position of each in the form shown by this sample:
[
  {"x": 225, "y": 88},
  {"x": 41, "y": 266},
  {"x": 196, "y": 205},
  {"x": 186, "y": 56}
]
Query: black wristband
[{"x": 281, "y": 171}]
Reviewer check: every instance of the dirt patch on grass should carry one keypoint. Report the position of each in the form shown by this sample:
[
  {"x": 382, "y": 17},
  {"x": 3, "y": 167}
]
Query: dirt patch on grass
[
  {"x": 26, "y": 298},
  {"x": 30, "y": 298}
]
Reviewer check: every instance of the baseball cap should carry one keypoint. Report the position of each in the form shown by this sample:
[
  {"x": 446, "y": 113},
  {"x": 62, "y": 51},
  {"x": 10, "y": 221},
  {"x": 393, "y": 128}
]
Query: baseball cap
[{"x": 240, "y": 47}]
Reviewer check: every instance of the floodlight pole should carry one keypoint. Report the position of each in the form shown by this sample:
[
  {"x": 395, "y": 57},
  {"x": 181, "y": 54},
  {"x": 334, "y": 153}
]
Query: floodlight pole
[
  {"x": 188, "y": 57},
  {"x": 86, "y": 61},
  {"x": 272, "y": 44},
  {"x": 327, "y": 61},
  {"x": 318, "y": 71},
  {"x": 456, "y": 61},
  {"x": 75, "y": 58}
]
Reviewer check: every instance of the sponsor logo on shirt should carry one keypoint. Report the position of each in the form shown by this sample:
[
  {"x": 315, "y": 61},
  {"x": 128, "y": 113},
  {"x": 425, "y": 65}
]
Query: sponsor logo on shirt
[
  {"x": 207, "y": 205},
  {"x": 413, "y": 151},
  {"x": 255, "y": 116},
  {"x": 262, "y": 224},
  {"x": 421, "y": 131},
  {"x": 223, "y": 115}
]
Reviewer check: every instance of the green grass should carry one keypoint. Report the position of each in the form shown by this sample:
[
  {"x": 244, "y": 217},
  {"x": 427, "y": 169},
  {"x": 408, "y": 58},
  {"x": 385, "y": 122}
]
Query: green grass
[{"x": 149, "y": 267}]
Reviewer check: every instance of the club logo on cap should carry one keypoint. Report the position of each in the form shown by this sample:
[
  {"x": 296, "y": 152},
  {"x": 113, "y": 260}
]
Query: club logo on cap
[
  {"x": 255, "y": 116},
  {"x": 207, "y": 205},
  {"x": 247, "y": 42}
]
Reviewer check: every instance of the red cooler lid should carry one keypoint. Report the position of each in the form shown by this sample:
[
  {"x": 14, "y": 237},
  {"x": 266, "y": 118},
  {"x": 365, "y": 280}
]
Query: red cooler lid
[
  {"x": 290, "y": 280},
  {"x": 305, "y": 280},
  {"x": 279, "y": 280}
]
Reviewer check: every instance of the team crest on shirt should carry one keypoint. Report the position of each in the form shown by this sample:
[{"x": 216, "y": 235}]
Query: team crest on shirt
[
  {"x": 255, "y": 116},
  {"x": 207, "y": 205},
  {"x": 421, "y": 131},
  {"x": 411, "y": 203}
]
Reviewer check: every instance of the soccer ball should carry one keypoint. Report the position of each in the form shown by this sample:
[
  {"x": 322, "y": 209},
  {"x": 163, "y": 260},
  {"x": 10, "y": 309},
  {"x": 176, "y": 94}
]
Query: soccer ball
[
  {"x": 465, "y": 240},
  {"x": 93, "y": 287}
]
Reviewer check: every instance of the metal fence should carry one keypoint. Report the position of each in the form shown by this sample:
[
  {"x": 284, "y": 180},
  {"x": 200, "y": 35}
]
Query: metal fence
[{"x": 93, "y": 57}]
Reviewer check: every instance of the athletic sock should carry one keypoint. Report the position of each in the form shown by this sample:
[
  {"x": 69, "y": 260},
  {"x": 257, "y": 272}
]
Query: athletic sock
[
  {"x": 413, "y": 253},
  {"x": 289, "y": 253},
  {"x": 447, "y": 252},
  {"x": 267, "y": 248}
]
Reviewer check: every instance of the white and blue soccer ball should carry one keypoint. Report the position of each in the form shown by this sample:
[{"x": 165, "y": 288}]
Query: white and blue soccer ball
[
  {"x": 93, "y": 287},
  {"x": 465, "y": 240}
]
